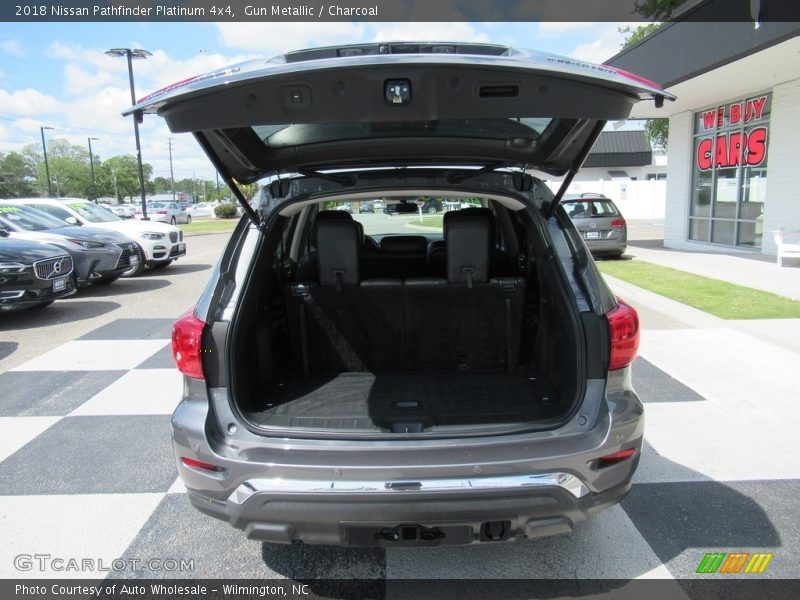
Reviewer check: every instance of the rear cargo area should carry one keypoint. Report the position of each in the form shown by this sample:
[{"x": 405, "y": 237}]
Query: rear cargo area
[
  {"x": 408, "y": 336},
  {"x": 407, "y": 403}
]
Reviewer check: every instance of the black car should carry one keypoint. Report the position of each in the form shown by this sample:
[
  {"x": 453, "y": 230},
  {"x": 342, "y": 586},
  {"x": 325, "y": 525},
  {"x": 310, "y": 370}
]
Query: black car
[
  {"x": 33, "y": 274},
  {"x": 432, "y": 205}
]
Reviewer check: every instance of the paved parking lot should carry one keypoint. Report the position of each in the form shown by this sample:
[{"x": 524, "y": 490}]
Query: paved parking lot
[{"x": 86, "y": 469}]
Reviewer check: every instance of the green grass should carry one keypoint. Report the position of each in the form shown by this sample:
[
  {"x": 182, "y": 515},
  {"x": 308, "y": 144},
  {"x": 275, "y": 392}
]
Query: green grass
[
  {"x": 720, "y": 298},
  {"x": 432, "y": 221},
  {"x": 209, "y": 226}
]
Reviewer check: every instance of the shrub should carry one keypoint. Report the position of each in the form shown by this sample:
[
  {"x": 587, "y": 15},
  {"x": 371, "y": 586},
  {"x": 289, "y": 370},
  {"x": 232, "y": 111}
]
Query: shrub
[{"x": 225, "y": 211}]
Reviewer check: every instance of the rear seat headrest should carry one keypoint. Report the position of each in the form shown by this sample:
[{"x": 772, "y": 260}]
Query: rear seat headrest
[
  {"x": 468, "y": 239},
  {"x": 333, "y": 215},
  {"x": 405, "y": 244},
  {"x": 338, "y": 245}
]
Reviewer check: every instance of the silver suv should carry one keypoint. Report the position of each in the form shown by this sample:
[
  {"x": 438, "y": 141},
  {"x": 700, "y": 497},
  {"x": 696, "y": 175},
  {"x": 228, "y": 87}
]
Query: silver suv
[{"x": 376, "y": 381}]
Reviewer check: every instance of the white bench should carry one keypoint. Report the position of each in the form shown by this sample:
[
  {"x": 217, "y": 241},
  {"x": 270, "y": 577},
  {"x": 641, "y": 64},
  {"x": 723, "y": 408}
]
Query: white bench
[{"x": 788, "y": 243}]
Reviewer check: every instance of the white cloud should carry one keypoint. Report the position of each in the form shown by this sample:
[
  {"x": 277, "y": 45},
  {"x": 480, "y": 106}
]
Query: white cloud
[
  {"x": 27, "y": 102},
  {"x": 12, "y": 47},
  {"x": 607, "y": 43},
  {"x": 428, "y": 32},
  {"x": 274, "y": 38},
  {"x": 556, "y": 28}
]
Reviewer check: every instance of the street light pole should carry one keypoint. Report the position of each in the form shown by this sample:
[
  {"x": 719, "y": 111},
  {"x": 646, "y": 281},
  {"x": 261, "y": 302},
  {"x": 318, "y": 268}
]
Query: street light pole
[
  {"x": 91, "y": 166},
  {"x": 46, "y": 166},
  {"x": 171, "y": 172},
  {"x": 130, "y": 54}
]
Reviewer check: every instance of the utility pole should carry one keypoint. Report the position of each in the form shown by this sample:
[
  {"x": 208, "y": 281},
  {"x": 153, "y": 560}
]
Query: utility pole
[
  {"x": 46, "y": 166},
  {"x": 91, "y": 166},
  {"x": 217, "y": 174},
  {"x": 171, "y": 173}
]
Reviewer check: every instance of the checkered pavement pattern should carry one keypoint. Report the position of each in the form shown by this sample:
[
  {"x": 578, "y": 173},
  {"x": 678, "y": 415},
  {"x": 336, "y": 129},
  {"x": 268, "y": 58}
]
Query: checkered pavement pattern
[{"x": 87, "y": 471}]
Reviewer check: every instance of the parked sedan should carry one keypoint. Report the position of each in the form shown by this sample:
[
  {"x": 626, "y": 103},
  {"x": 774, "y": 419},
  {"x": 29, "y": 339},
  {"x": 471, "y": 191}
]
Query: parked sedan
[
  {"x": 165, "y": 212},
  {"x": 366, "y": 207},
  {"x": 599, "y": 222},
  {"x": 203, "y": 209},
  {"x": 98, "y": 256},
  {"x": 124, "y": 211},
  {"x": 32, "y": 274},
  {"x": 158, "y": 244}
]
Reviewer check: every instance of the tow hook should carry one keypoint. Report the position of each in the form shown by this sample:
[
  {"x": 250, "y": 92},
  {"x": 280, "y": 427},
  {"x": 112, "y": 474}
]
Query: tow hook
[{"x": 410, "y": 533}]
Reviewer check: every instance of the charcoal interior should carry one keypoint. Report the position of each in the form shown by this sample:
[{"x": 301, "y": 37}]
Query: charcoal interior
[{"x": 403, "y": 335}]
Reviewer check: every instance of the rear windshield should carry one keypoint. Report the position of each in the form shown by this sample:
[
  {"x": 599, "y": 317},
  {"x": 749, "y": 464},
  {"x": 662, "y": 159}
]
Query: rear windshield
[
  {"x": 590, "y": 208},
  {"x": 417, "y": 216},
  {"x": 28, "y": 219},
  {"x": 281, "y": 136}
]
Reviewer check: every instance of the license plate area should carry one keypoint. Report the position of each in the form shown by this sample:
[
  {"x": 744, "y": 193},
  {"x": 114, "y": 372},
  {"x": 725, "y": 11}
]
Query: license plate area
[
  {"x": 60, "y": 284},
  {"x": 405, "y": 535},
  {"x": 591, "y": 235}
]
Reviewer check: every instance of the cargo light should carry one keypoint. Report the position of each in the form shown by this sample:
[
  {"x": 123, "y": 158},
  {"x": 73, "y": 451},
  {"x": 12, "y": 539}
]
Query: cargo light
[
  {"x": 623, "y": 324},
  {"x": 187, "y": 334}
]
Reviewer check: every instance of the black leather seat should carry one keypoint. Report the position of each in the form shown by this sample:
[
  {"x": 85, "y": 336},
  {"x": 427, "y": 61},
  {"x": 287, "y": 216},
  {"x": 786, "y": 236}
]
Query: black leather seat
[
  {"x": 467, "y": 320},
  {"x": 403, "y": 256}
]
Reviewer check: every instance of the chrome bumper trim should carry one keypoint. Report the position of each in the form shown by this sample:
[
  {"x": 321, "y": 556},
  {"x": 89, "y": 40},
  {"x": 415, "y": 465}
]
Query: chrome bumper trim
[{"x": 565, "y": 481}]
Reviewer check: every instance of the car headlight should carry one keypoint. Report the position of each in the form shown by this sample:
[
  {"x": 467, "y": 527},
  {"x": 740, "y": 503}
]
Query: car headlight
[
  {"x": 86, "y": 243},
  {"x": 152, "y": 235},
  {"x": 10, "y": 268}
]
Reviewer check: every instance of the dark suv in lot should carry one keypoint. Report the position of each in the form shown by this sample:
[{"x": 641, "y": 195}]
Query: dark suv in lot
[
  {"x": 468, "y": 386},
  {"x": 32, "y": 274}
]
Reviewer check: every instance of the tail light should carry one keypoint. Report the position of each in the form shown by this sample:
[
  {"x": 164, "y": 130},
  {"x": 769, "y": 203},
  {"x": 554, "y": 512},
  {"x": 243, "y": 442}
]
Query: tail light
[
  {"x": 612, "y": 459},
  {"x": 199, "y": 464},
  {"x": 618, "y": 223},
  {"x": 187, "y": 333},
  {"x": 623, "y": 324},
  {"x": 160, "y": 212}
]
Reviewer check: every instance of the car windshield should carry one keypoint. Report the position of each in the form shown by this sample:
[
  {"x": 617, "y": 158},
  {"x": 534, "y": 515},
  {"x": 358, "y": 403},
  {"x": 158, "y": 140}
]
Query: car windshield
[
  {"x": 93, "y": 212},
  {"x": 28, "y": 219},
  {"x": 590, "y": 208}
]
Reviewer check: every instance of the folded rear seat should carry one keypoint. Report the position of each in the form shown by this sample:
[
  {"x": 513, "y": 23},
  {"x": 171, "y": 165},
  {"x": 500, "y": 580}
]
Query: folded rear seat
[{"x": 467, "y": 321}]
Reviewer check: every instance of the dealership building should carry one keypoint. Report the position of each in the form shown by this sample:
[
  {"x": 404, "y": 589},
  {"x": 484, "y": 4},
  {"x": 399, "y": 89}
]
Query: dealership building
[{"x": 732, "y": 173}]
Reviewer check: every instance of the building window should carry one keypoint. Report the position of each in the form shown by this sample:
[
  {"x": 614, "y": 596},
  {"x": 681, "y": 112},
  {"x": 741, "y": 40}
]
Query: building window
[{"x": 730, "y": 172}]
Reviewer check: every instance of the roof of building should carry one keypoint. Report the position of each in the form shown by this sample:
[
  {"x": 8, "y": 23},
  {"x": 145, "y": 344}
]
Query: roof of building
[{"x": 620, "y": 149}]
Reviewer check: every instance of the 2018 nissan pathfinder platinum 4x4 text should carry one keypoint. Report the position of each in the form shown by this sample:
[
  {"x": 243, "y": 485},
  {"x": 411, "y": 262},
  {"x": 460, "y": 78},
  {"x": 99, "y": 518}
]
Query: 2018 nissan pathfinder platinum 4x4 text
[{"x": 403, "y": 379}]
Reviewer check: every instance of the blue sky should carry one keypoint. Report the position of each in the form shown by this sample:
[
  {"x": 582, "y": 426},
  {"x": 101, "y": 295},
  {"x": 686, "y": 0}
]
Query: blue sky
[{"x": 57, "y": 75}]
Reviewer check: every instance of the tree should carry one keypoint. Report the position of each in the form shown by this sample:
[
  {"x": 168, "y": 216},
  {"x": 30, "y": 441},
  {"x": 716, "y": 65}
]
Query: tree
[
  {"x": 17, "y": 175},
  {"x": 119, "y": 177},
  {"x": 656, "y": 130}
]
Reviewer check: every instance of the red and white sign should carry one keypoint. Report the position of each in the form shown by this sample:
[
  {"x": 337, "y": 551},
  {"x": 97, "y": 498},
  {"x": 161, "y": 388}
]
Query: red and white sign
[{"x": 735, "y": 148}]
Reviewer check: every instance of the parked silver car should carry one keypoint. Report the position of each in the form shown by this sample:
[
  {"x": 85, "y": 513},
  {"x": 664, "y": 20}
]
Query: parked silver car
[
  {"x": 599, "y": 222},
  {"x": 473, "y": 388},
  {"x": 165, "y": 212}
]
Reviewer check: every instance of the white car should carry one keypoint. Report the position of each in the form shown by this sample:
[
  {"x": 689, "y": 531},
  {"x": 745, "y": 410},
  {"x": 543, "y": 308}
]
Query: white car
[
  {"x": 159, "y": 244},
  {"x": 165, "y": 212},
  {"x": 126, "y": 211},
  {"x": 203, "y": 209}
]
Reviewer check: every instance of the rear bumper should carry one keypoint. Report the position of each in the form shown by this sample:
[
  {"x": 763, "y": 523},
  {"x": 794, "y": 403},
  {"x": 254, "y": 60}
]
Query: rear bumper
[
  {"x": 606, "y": 246},
  {"x": 455, "y": 517}
]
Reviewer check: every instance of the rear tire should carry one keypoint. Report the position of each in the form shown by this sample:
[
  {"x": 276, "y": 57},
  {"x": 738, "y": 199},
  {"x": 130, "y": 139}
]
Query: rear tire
[{"x": 161, "y": 265}]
